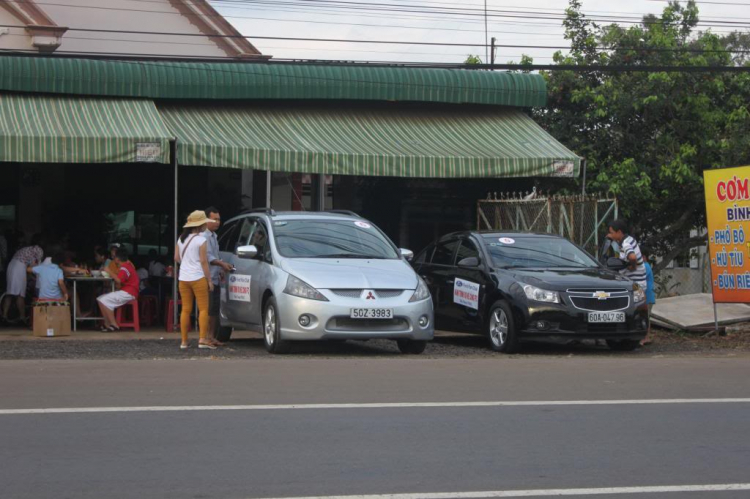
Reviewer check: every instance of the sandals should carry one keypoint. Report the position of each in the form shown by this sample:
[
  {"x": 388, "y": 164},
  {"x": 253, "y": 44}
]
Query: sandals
[
  {"x": 110, "y": 329},
  {"x": 184, "y": 346},
  {"x": 207, "y": 346}
]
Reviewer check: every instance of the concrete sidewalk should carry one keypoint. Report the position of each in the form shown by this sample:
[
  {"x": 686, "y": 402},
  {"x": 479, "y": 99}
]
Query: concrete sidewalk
[{"x": 153, "y": 333}]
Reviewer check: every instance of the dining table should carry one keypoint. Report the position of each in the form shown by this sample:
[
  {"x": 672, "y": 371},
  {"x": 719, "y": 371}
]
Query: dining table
[{"x": 80, "y": 279}]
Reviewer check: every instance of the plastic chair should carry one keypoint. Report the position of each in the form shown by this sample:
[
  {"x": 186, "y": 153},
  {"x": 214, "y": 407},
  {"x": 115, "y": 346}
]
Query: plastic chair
[
  {"x": 171, "y": 327},
  {"x": 149, "y": 308},
  {"x": 131, "y": 320}
]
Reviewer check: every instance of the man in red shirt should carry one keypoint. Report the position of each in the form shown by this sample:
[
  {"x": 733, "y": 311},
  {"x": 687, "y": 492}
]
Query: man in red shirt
[{"x": 128, "y": 282}]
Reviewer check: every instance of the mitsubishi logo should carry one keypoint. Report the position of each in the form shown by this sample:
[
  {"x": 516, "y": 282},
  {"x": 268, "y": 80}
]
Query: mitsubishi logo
[
  {"x": 370, "y": 296},
  {"x": 601, "y": 295}
]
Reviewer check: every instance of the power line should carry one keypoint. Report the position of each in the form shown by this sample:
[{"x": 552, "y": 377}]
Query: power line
[
  {"x": 162, "y": 60},
  {"x": 401, "y": 42},
  {"x": 386, "y": 7}
]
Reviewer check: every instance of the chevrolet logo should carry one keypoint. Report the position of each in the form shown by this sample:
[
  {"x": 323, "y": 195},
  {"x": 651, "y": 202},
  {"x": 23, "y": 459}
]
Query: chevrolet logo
[{"x": 601, "y": 295}]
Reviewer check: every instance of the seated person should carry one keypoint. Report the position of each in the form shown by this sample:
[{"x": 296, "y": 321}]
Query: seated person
[
  {"x": 101, "y": 257},
  {"x": 110, "y": 265},
  {"x": 128, "y": 282},
  {"x": 155, "y": 267},
  {"x": 50, "y": 280}
]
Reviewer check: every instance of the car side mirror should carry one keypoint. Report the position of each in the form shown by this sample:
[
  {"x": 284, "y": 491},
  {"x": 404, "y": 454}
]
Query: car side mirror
[
  {"x": 408, "y": 254},
  {"x": 614, "y": 263},
  {"x": 246, "y": 252},
  {"x": 469, "y": 263}
]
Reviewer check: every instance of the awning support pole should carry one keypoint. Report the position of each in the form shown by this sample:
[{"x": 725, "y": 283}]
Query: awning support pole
[
  {"x": 269, "y": 174},
  {"x": 321, "y": 192},
  {"x": 173, "y": 155}
]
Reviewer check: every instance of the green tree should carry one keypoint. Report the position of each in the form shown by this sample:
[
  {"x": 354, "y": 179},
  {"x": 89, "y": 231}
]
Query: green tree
[
  {"x": 473, "y": 59},
  {"x": 648, "y": 135}
]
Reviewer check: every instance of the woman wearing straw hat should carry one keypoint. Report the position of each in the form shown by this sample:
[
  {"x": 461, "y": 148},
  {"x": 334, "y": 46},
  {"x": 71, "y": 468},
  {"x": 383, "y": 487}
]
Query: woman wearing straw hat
[{"x": 194, "y": 277}]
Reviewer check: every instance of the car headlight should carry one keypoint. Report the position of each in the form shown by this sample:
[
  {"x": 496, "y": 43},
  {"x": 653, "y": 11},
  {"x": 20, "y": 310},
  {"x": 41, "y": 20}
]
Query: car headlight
[
  {"x": 639, "y": 295},
  {"x": 298, "y": 287},
  {"x": 537, "y": 294},
  {"x": 422, "y": 292}
]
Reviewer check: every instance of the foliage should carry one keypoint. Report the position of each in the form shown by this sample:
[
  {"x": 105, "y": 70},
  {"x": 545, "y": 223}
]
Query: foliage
[
  {"x": 648, "y": 135},
  {"x": 473, "y": 59}
]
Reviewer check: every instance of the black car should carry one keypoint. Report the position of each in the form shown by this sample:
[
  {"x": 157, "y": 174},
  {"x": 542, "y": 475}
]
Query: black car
[{"x": 513, "y": 286}]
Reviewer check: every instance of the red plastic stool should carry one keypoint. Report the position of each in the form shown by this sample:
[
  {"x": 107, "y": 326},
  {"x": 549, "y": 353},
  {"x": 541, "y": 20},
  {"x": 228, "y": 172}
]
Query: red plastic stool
[
  {"x": 169, "y": 316},
  {"x": 132, "y": 319},
  {"x": 149, "y": 307}
]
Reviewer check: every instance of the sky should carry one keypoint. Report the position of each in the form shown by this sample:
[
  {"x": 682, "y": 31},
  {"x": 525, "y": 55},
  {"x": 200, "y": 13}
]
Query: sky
[{"x": 287, "y": 18}]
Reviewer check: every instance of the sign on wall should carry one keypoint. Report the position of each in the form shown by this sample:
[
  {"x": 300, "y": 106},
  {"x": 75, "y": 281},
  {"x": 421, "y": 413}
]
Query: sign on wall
[{"x": 728, "y": 217}]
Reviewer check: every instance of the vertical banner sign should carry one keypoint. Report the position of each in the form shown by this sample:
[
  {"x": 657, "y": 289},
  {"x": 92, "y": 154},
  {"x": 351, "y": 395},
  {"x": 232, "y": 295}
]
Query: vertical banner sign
[{"x": 728, "y": 220}]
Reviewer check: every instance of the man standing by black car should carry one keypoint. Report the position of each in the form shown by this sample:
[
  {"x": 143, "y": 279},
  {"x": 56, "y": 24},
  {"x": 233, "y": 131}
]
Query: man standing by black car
[
  {"x": 216, "y": 266},
  {"x": 630, "y": 253}
]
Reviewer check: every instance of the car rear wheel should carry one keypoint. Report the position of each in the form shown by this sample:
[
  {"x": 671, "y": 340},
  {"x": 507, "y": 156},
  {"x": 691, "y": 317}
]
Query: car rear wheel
[
  {"x": 272, "y": 329},
  {"x": 623, "y": 345},
  {"x": 501, "y": 330},
  {"x": 224, "y": 333},
  {"x": 411, "y": 347}
]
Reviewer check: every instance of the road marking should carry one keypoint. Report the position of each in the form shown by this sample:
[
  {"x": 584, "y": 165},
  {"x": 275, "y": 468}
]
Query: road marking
[
  {"x": 395, "y": 405},
  {"x": 547, "y": 492}
]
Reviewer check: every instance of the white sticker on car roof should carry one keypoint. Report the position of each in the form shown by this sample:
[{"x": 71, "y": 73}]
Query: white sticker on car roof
[
  {"x": 280, "y": 223},
  {"x": 364, "y": 225},
  {"x": 507, "y": 240}
]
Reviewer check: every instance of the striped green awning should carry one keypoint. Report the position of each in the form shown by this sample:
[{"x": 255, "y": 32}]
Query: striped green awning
[
  {"x": 383, "y": 141},
  {"x": 268, "y": 80},
  {"x": 60, "y": 129}
]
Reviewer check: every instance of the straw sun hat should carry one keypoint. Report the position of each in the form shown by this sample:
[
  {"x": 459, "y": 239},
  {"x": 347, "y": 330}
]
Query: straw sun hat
[{"x": 196, "y": 219}]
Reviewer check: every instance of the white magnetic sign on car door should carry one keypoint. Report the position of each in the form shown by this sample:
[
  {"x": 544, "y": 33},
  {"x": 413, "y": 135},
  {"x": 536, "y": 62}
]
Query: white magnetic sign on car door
[
  {"x": 466, "y": 293},
  {"x": 239, "y": 287}
]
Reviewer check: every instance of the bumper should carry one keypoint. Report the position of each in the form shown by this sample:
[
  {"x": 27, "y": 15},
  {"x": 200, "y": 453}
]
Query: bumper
[
  {"x": 567, "y": 323},
  {"x": 330, "y": 320}
]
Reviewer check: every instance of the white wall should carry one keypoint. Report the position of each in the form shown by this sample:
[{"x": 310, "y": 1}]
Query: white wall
[
  {"x": 13, "y": 38},
  {"x": 124, "y": 15}
]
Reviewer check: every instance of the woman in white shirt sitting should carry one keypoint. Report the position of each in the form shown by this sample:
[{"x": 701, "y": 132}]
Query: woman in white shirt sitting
[{"x": 194, "y": 278}]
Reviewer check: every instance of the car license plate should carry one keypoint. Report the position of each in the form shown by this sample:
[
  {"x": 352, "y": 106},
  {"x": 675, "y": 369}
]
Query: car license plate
[
  {"x": 607, "y": 317},
  {"x": 371, "y": 313}
]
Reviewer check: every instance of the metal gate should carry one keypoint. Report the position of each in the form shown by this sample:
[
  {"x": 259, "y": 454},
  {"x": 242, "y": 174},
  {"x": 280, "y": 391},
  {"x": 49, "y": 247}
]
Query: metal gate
[{"x": 577, "y": 218}]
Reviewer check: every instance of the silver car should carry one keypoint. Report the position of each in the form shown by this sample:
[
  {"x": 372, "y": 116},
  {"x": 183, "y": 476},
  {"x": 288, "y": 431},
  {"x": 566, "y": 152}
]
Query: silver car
[{"x": 320, "y": 276}]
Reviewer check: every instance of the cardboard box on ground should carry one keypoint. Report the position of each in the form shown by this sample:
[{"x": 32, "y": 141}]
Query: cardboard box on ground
[{"x": 52, "y": 320}]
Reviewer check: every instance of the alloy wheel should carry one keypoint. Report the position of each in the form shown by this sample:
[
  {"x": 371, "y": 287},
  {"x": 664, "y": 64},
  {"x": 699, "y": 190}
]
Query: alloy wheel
[
  {"x": 270, "y": 329},
  {"x": 499, "y": 327}
]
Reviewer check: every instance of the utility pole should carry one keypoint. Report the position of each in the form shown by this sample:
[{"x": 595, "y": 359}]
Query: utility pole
[
  {"x": 492, "y": 54},
  {"x": 486, "y": 57}
]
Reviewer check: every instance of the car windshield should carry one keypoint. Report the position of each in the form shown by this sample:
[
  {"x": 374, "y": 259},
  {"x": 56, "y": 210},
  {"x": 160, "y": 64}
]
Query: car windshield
[
  {"x": 536, "y": 252},
  {"x": 331, "y": 239}
]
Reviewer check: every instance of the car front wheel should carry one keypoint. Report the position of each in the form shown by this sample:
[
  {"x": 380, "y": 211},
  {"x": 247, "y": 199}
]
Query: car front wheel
[
  {"x": 411, "y": 347},
  {"x": 501, "y": 330},
  {"x": 623, "y": 345},
  {"x": 272, "y": 329}
]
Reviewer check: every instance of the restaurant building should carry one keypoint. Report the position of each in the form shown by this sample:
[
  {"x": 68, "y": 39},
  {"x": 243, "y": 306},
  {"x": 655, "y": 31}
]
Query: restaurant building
[{"x": 105, "y": 142}]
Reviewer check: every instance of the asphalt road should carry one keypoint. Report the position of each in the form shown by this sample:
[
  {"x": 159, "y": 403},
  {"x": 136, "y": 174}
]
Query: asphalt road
[{"x": 203, "y": 428}]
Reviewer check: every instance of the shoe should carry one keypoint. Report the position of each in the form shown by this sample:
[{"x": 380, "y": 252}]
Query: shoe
[
  {"x": 185, "y": 346},
  {"x": 206, "y": 346}
]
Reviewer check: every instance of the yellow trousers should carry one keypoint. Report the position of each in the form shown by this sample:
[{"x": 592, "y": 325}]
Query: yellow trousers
[{"x": 194, "y": 291}]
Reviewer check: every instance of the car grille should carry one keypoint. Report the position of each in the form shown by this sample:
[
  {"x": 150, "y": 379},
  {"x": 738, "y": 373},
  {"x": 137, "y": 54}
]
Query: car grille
[
  {"x": 594, "y": 290},
  {"x": 347, "y": 324},
  {"x": 356, "y": 293},
  {"x": 597, "y": 305},
  {"x": 347, "y": 293}
]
